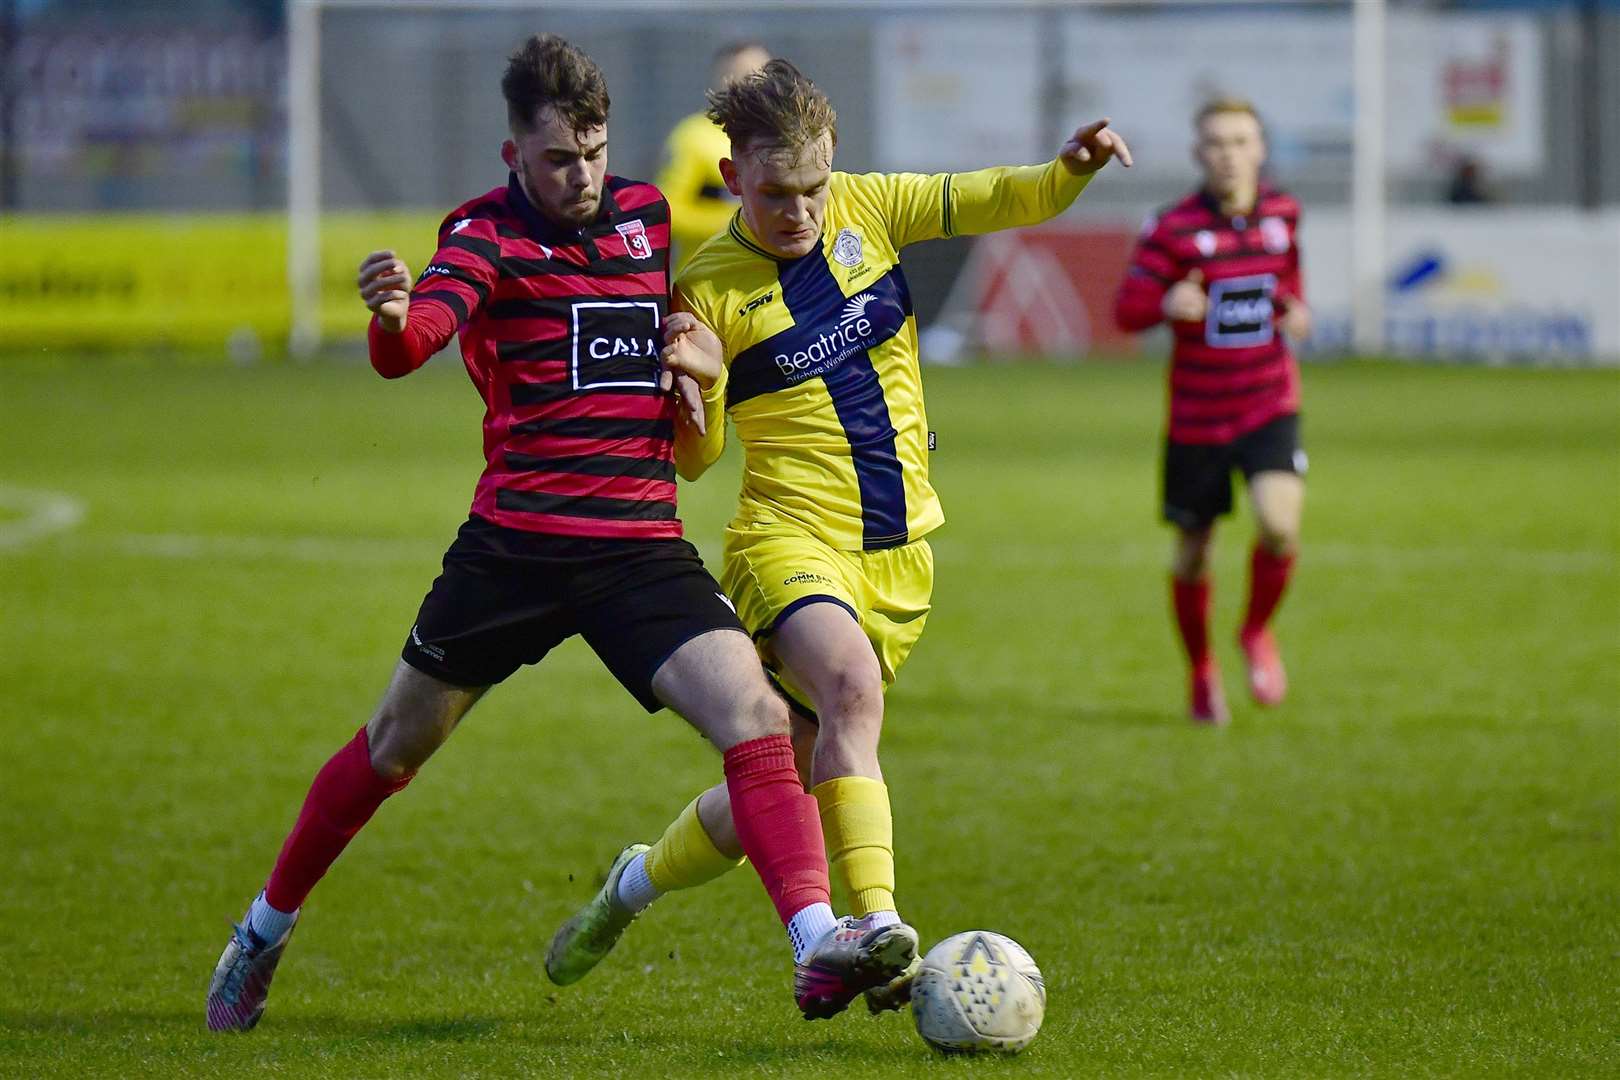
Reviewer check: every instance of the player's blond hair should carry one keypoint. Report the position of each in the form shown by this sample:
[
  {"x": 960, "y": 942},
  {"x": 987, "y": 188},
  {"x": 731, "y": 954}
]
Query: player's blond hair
[
  {"x": 774, "y": 107},
  {"x": 1218, "y": 106}
]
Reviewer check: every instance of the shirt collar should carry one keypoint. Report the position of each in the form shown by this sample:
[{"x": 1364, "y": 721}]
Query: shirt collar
[
  {"x": 745, "y": 236},
  {"x": 543, "y": 228},
  {"x": 1213, "y": 204}
]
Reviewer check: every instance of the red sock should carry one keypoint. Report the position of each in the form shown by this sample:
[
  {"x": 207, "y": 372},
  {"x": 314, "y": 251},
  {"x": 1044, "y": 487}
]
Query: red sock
[
  {"x": 1268, "y": 577},
  {"x": 346, "y": 792},
  {"x": 778, "y": 823},
  {"x": 1192, "y": 616}
]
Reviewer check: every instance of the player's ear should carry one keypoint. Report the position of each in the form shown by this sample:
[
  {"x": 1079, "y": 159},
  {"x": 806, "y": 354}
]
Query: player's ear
[
  {"x": 509, "y": 154},
  {"x": 728, "y": 173}
]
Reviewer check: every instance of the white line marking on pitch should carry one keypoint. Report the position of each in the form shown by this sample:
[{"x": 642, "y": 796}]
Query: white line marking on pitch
[
  {"x": 372, "y": 550},
  {"x": 43, "y": 514}
]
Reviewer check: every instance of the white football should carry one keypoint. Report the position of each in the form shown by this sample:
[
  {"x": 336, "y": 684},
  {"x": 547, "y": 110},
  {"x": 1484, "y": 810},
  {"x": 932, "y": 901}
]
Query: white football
[{"x": 978, "y": 990}]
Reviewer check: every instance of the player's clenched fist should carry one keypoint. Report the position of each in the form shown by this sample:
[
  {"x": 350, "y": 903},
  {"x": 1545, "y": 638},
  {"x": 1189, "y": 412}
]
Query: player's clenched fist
[
  {"x": 1296, "y": 319},
  {"x": 1092, "y": 147},
  {"x": 691, "y": 349},
  {"x": 385, "y": 286},
  {"x": 693, "y": 359},
  {"x": 1186, "y": 301}
]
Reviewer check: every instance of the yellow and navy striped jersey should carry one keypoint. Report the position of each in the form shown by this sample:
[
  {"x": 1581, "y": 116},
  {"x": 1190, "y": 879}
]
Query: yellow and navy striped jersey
[
  {"x": 699, "y": 204},
  {"x": 822, "y": 379}
]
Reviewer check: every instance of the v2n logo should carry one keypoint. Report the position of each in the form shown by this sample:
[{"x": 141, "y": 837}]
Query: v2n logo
[{"x": 757, "y": 302}]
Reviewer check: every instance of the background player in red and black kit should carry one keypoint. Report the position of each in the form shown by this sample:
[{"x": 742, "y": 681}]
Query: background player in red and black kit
[
  {"x": 558, "y": 285},
  {"x": 1222, "y": 267}
]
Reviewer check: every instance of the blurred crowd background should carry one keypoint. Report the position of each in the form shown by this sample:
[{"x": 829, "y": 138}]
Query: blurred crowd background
[{"x": 114, "y": 113}]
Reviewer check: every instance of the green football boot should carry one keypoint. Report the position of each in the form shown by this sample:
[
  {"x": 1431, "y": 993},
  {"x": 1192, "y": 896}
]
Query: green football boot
[{"x": 590, "y": 935}]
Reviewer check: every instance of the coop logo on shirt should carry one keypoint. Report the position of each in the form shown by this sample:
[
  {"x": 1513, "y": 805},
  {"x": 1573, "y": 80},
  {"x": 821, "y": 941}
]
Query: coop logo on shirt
[
  {"x": 1240, "y": 311},
  {"x": 635, "y": 238},
  {"x": 855, "y": 331},
  {"x": 615, "y": 344}
]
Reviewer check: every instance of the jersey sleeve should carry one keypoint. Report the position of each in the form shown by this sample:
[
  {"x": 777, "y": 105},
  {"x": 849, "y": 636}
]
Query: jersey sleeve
[
  {"x": 931, "y": 206},
  {"x": 695, "y": 451},
  {"x": 1009, "y": 196},
  {"x": 1153, "y": 269},
  {"x": 463, "y": 270},
  {"x": 1291, "y": 282},
  {"x": 451, "y": 289}
]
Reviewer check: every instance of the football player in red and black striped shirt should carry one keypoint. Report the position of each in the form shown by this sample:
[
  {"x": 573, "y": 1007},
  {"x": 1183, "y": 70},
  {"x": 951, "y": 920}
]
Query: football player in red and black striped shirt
[
  {"x": 1222, "y": 268},
  {"x": 558, "y": 285}
]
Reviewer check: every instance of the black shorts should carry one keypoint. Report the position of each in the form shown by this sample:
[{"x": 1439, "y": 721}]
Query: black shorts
[
  {"x": 1198, "y": 478},
  {"x": 506, "y": 597}
]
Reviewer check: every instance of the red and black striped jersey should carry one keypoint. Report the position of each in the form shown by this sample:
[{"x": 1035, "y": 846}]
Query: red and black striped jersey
[
  {"x": 560, "y": 331},
  {"x": 1232, "y": 371}
]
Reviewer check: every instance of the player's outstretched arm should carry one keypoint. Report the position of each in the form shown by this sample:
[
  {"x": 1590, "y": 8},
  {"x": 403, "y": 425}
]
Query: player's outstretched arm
[{"x": 1009, "y": 197}]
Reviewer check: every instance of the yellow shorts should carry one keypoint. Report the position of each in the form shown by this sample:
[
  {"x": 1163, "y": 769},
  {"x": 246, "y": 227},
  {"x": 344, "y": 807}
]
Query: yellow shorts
[{"x": 771, "y": 571}]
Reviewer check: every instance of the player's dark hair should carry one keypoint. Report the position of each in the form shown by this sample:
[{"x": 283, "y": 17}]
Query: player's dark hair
[
  {"x": 548, "y": 72},
  {"x": 776, "y": 106}
]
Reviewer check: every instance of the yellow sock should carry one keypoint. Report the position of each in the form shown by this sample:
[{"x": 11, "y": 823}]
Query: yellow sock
[
  {"x": 685, "y": 857},
  {"x": 860, "y": 840}
]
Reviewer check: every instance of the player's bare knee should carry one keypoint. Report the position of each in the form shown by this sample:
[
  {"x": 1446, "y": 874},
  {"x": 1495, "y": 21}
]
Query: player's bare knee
[
  {"x": 402, "y": 739},
  {"x": 1190, "y": 560},
  {"x": 1278, "y": 541},
  {"x": 760, "y": 713},
  {"x": 852, "y": 709}
]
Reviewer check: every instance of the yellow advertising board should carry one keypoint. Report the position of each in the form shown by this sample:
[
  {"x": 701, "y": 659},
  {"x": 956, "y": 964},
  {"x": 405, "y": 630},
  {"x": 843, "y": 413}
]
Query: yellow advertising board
[{"x": 197, "y": 281}]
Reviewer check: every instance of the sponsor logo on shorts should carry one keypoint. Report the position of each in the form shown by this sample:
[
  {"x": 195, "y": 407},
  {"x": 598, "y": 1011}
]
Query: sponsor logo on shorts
[
  {"x": 805, "y": 577},
  {"x": 726, "y": 600},
  {"x": 1301, "y": 462},
  {"x": 432, "y": 650}
]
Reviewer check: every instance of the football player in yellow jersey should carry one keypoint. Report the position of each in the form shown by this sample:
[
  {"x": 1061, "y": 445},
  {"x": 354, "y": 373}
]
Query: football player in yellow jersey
[
  {"x": 699, "y": 204},
  {"x": 817, "y": 368}
]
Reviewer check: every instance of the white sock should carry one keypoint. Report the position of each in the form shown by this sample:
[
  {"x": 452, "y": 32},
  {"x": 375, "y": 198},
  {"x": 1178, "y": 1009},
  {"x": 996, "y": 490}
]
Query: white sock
[
  {"x": 636, "y": 889},
  {"x": 269, "y": 924},
  {"x": 878, "y": 919},
  {"x": 809, "y": 926}
]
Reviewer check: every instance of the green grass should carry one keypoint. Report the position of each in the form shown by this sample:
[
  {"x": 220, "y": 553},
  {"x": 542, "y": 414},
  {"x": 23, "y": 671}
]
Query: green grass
[{"x": 1410, "y": 869}]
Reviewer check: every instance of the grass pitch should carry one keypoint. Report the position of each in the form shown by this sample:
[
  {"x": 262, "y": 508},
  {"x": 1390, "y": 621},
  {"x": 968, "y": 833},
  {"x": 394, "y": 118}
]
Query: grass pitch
[{"x": 1409, "y": 869}]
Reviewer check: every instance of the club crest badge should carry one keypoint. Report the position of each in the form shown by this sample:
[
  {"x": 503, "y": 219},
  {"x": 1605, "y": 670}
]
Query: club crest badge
[
  {"x": 1205, "y": 243},
  {"x": 1274, "y": 235},
  {"x": 635, "y": 238},
  {"x": 847, "y": 247}
]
